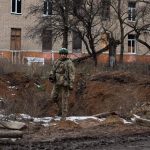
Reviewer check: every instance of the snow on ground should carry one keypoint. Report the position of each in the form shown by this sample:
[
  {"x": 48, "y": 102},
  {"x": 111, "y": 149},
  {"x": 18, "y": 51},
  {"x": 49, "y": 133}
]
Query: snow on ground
[{"x": 46, "y": 120}]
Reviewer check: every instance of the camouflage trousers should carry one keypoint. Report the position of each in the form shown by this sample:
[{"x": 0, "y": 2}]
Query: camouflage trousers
[{"x": 60, "y": 95}]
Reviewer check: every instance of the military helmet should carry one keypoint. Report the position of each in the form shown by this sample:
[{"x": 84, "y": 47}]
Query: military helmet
[{"x": 63, "y": 51}]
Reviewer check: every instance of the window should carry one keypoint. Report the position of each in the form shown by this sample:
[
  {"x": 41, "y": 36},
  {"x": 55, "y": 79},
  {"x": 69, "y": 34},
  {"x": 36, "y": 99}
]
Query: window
[
  {"x": 16, "y": 6},
  {"x": 77, "y": 6},
  {"x": 131, "y": 43},
  {"x": 131, "y": 11},
  {"x": 15, "y": 39},
  {"x": 76, "y": 43},
  {"x": 47, "y": 7},
  {"x": 47, "y": 40},
  {"x": 105, "y": 9}
]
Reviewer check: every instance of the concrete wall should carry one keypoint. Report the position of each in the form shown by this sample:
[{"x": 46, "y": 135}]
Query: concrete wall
[{"x": 10, "y": 20}]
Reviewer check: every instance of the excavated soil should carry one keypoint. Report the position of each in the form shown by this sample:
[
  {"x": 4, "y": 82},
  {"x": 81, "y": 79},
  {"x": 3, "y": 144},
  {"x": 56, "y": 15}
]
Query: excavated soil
[{"x": 120, "y": 92}]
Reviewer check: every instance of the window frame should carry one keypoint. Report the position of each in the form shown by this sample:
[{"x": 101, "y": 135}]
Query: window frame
[
  {"x": 133, "y": 44},
  {"x": 48, "y": 5},
  {"x": 76, "y": 42},
  {"x": 131, "y": 11},
  {"x": 105, "y": 9},
  {"x": 14, "y": 36},
  {"x": 47, "y": 38},
  {"x": 16, "y": 7}
]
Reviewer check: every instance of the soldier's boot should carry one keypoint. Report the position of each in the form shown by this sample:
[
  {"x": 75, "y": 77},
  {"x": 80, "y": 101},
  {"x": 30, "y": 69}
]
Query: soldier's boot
[
  {"x": 64, "y": 113},
  {"x": 59, "y": 113}
]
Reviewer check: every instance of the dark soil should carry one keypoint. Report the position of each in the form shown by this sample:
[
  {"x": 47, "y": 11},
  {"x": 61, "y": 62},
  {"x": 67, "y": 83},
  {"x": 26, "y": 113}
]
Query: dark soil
[{"x": 99, "y": 138}]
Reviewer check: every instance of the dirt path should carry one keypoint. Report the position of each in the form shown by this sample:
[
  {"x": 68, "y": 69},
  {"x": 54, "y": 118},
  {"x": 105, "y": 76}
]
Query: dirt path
[
  {"x": 110, "y": 137},
  {"x": 134, "y": 142}
]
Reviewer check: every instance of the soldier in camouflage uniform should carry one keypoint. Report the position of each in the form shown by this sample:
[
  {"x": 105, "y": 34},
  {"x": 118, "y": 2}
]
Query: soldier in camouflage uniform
[{"x": 62, "y": 76}]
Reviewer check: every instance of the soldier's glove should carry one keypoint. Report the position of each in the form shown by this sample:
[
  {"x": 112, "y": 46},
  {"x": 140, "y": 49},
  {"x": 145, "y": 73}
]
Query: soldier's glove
[
  {"x": 51, "y": 79},
  {"x": 70, "y": 87}
]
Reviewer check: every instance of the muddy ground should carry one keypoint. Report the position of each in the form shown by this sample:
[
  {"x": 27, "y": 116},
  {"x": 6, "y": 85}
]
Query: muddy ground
[
  {"x": 121, "y": 92},
  {"x": 98, "y": 138}
]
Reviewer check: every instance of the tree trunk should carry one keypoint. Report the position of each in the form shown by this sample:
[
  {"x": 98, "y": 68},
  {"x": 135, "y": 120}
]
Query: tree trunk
[
  {"x": 112, "y": 52},
  {"x": 64, "y": 9},
  {"x": 65, "y": 38},
  {"x": 122, "y": 48},
  {"x": 121, "y": 31},
  {"x": 78, "y": 60}
]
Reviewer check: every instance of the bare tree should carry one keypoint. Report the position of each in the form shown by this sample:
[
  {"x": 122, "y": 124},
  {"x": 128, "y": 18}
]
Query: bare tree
[
  {"x": 56, "y": 20},
  {"x": 81, "y": 17},
  {"x": 87, "y": 24},
  {"x": 141, "y": 25},
  {"x": 87, "y": 19},
  {"x": 120, "y": 25}
]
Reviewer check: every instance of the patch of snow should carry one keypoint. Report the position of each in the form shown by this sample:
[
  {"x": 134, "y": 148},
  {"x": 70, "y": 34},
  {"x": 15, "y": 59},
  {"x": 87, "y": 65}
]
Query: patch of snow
[
  {"x": 75, "y": 118},
  {"x": 12, "y": 87},
  {"x": 71, "y": 118},
  {"x": 44, "y": 119},
  {"x": 136, "y": 116},
  {"x": 2, "y": 116},
  {"x": 13, "y": 139},
  {"x": 38, "y": 86},
  {"x": 25, "y": 116},
  {"x": 46, "y": 124},
  {"x": 126, "y": 122}
]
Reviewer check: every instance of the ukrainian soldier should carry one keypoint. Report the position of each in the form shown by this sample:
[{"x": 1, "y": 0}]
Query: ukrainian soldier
[{"x": 62, "y": 76}]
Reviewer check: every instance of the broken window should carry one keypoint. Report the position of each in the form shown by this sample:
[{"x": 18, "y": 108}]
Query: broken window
[{"x": 16, "y": 6}]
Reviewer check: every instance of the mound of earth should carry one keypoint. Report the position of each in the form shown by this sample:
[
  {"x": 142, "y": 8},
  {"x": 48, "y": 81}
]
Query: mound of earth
[{"x": 122, "y": 92}]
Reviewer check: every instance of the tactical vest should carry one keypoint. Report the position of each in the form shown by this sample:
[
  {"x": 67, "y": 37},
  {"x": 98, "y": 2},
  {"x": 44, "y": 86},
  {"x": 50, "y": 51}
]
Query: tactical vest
[{"x": 62, "y": 73}]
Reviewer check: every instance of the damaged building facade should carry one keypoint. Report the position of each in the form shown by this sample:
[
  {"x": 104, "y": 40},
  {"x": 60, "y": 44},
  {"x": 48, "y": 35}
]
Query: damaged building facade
[{"x": 18, "y": 47}]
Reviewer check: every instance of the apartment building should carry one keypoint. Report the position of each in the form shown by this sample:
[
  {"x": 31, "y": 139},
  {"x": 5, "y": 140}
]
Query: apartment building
[
  {"x": 17, "y": 47},
  {"x": 13, "y": 40},
  {"x": 130, "y": 16}
]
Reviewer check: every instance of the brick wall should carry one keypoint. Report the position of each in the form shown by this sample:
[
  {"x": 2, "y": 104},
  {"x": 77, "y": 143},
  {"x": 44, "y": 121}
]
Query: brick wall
[{"x": 48, "y": 56}]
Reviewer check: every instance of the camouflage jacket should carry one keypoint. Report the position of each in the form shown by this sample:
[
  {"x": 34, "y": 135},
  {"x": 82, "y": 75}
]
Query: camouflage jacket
[{"x": 64, "y": 72}]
